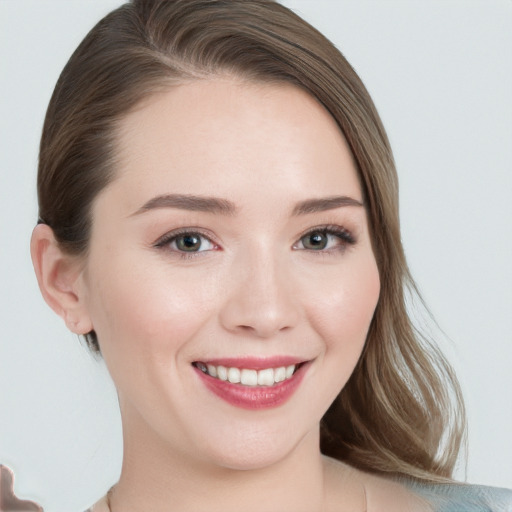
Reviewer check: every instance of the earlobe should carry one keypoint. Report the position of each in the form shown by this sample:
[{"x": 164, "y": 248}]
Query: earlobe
[{"x": 59, "y": 278}]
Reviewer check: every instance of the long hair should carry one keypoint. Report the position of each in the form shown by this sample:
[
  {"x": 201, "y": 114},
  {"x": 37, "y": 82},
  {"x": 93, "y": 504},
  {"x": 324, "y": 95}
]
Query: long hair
[{"x": 401, "y": 412}]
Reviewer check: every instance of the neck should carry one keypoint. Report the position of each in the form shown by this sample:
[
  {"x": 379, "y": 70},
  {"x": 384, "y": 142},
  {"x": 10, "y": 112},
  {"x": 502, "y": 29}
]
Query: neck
[{"x": 157, "y": 478}]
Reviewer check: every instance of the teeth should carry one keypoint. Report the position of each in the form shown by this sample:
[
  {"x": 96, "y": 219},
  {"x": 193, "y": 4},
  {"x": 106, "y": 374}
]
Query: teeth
[
  {"x": 222, "y": 373},
  {"x": 246, "y": 377},
  {"x": 249, "y": 377},
  {"x": 266, "y": 377},
  {"x": 234, "y": 375},
  {"x": 279, "y": 374}
]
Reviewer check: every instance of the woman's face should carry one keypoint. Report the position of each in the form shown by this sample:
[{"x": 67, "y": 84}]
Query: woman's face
[{"x": 233, "y": 242}]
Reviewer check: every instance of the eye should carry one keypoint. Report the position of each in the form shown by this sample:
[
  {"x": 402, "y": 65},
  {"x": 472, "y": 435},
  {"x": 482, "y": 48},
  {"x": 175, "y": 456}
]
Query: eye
[
  {"x": 186, "y": 242},
  {"x": 325, "y": 239}
]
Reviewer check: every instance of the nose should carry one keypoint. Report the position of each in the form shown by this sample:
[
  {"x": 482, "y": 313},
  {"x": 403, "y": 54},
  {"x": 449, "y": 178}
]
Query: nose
[{"x": 259, "y": 299}]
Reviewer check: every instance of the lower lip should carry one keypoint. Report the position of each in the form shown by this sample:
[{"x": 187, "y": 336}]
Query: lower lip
[{"x": 257, "y": 397}]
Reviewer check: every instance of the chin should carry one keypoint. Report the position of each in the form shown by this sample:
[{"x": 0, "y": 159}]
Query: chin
[
  {"x": 259, "y": 456},
  {"x": 256, "y": 449}
]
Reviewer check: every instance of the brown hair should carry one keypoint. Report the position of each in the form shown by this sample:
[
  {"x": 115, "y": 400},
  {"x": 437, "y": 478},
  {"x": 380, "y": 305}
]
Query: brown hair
[{"x": 401, "y": 413}]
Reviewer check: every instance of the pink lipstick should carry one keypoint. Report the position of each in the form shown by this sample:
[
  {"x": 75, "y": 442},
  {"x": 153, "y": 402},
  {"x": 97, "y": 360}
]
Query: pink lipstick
[{"x": 252, "y": 383}]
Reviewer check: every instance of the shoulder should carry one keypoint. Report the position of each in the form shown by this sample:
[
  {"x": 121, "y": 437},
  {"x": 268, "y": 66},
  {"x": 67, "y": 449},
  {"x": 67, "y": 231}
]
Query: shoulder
[
  {"x": 99, "y": 506},
  {"x": 353, "y": 489},
  {"x": 475, "y": 498},
  {"x": 381, "y": 494},
  {"x": 384, "y": 494}
]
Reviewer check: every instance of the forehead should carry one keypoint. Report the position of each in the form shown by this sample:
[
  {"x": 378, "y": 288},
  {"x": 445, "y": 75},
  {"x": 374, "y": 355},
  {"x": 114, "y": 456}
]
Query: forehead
[{"x": 231, "y": 138}]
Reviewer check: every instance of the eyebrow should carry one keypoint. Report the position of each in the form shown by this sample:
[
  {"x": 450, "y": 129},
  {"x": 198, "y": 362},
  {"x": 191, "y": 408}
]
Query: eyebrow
[
  {"x": 324, "y": 203},
  {"x": 189, "y": 202},
  {"x": 225, "y": 207}
]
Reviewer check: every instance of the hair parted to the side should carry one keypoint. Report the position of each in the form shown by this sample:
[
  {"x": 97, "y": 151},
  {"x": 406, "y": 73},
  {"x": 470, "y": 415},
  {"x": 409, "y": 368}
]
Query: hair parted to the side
[{"x": 401, "y": 413}]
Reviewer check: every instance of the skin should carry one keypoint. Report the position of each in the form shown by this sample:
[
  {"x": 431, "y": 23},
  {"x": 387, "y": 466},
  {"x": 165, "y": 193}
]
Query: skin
[{"x": 253, "y": 289}]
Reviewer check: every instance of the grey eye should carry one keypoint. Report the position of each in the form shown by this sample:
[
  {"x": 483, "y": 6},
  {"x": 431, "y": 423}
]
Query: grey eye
[
  {"x": 315, "y": 241},
  {"x": 188, "y": 243},
  {"x": 325, "y": 239}
]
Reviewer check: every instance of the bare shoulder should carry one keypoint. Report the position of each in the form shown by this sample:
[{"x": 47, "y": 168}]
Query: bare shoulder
[{"x": 351, "y": 489}]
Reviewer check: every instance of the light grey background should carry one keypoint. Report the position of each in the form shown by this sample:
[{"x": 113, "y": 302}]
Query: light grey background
[{"x": 440, "y": 73}]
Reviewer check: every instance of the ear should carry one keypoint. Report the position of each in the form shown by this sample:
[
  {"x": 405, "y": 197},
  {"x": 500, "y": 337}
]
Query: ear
[{"x": 59, "y": 276}]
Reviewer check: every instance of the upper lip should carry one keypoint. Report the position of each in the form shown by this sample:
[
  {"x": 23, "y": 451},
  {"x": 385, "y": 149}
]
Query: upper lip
[{"x": 253, "y": 363}]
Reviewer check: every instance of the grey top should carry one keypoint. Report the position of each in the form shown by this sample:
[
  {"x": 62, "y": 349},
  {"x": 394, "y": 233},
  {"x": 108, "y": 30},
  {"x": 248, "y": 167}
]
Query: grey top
[{"x": 463, "y": 497}]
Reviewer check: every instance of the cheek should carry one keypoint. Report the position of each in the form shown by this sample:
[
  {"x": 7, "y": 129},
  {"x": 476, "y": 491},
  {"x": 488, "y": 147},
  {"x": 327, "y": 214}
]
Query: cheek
[
  {"x": 343, "y": 311},
  {"x": 145, "y": 309},
  {"x": 340, "y": 314}
]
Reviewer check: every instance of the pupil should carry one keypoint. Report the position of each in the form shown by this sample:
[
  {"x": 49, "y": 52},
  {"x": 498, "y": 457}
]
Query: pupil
[
  {"x": 316, "y": 241},
  {"x": 189, "y": 243}
]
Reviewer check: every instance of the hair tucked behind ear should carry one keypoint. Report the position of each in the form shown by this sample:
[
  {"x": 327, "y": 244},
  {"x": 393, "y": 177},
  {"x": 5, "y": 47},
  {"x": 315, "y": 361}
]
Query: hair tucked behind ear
[{"x": 401, "y": 412}]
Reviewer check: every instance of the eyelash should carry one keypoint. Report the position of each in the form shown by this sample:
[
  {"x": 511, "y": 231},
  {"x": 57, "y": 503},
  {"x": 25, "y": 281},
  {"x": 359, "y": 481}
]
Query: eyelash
[
  {"x": 171, "y": 237},
  {"x": 345, "y": 237}
]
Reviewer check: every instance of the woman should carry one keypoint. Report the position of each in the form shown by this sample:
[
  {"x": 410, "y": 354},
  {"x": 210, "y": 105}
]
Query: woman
[{"x": 218, "y": 216}]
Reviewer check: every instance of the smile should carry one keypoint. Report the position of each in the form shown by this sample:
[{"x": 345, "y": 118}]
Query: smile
[
  {"x": 248, "y": 377},
  {"x": 252, "y": 383}
]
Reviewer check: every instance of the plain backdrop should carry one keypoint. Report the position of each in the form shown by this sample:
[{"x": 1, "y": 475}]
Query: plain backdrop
[{"x": 440, "y": 73}]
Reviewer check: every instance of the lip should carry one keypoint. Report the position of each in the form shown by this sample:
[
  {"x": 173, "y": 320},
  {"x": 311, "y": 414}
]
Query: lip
[
  {"x": 254, "y": 397},
  {"x": 254, "y": 363}
]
